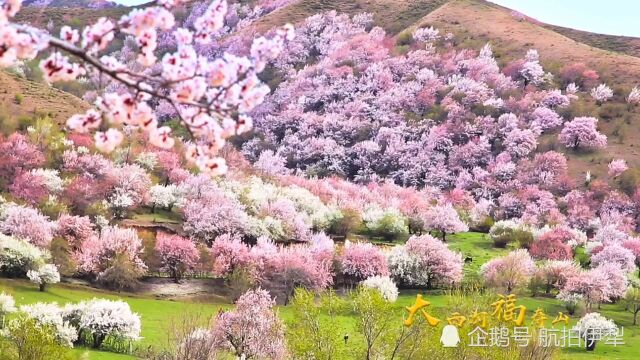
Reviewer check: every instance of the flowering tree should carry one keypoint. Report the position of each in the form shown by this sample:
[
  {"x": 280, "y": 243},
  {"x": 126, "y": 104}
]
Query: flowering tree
[
  {"x": 26, "y": 223},
  {"x": 19, "y": 154},
  {"x": 617, "y": 167},
  {"x": 74, "y": 229},
  {"x": 384, "y": 285},
  {"x": 177, "y": 254},
  {"x": 510, "y": 271},
  {"x": 581, "y": 133},
  {"x": 46, "y": 274},
  {"x": 18, "y": 256},
  {"x": 163, "y": 196},
  {"x": 228, "y": 253},
  {"x": 252, "y": 329},
  {"x": 436, "y": 264},
  {"x": 211, "y": 97},
  {"x": 30, "y": 188},
  {"x": 117, "y": 251},
  {"x": 617, "y": 254},
  {"x": 550, "y": 246},
  {"x": 601, "y": 93},
  {"x": 363, "y": 260},
  {"x": 531, "y": 70},
  {"x": 556, "y": 272},
  {"x": 444, "y": 219},
  {"x": 51, "y": 315},
  {"x": 101, "y": 318},
  {"x": 634, "y": 96}
]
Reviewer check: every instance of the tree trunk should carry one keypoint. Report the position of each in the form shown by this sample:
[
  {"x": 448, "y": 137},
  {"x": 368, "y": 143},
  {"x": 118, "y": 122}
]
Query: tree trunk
[
  {"x": 444, "y": 236},
  {"x": 635, "y": 315},
  {"x": 43, "y": 286}
]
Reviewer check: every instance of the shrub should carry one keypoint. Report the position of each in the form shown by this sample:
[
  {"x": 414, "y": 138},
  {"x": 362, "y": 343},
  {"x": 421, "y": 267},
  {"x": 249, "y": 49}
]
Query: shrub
[
  {"x": 347, "y": 224},
  {"x": 28, "y": 340},
  {"x": 18, "y": 98}
]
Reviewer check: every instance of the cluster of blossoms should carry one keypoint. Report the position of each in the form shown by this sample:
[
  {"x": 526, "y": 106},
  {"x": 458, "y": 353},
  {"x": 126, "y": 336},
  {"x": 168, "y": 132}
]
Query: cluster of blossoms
[
  {"x": 211, "y": 97},
  {"x": 384, "y": 285},
  {"x": 46, "y": 274},
  {"x": 425, "y": 261},
  {"x": 97, "y": 319}
]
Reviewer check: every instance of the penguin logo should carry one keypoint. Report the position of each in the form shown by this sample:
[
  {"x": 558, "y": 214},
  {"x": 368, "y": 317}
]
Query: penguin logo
[{"x": 450, "y": 337}]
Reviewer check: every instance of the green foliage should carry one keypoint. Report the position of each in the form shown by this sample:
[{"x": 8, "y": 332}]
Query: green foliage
[
  {"x": 30, "y": 341},
  {"x": 240, "y": 280},
  {"x": 629, "y": 181},
  {"x": 610, "y": 111},
  {"x": 404, "y": 38},
  {"x": 61, "y": 256},
  {"x": 18, "y": 98},
  {"x": 347, "y": 224},
  {"x": 121, "y": 275},
  {"x": 314, "y": 333}
]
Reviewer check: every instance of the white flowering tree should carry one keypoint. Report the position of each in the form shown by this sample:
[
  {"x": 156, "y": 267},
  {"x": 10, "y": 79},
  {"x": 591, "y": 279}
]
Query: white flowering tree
[
  {"x": 17, "y": 256},
  {"x": 101, "y": 319},
  {"x": 384, "y": 285},
  {"x": 593, "y": 327},
  {"x": 211, "y": 96},
  {"x": 163, "y": 196},
  {"x": 46, "y": 274}
]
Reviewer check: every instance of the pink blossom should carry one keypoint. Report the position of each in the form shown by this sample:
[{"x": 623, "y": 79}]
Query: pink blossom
[
  {"x": 28, "y": 224},
  {"x": 252, "y": 329},
  {"x": 177, "y": 254},
  {"x": 363, "y": 260},
  {"x": 617, "y": 167}
]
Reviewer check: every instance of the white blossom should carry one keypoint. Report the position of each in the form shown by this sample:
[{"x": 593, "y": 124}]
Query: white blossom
[{"x": 384, "y": 285}]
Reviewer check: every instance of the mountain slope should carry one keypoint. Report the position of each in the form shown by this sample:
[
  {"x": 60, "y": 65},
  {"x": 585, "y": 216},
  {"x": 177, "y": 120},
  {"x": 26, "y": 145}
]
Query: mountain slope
[
  {"x": 392, "y": 15},
  {"x": 36, "y": 98}
]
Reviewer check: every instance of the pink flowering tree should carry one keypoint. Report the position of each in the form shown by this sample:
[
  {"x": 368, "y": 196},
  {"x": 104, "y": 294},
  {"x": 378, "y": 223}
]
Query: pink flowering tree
[
  {"x": 115, "y": 251},
  {"x": 509, "y": 272},
  {"x": 18, "y": 154},
  {"x": 229, "y": 253},
  {"x": 555, "y": 273},
  {"x": 76, "y": 230},
  {"x": 363, "y": 260},
  {"x": 251, "y": 330},
  {"x": 552, "y": 246},
  {"x": 28, "y": 224},
  {"x": 445, "y": 220},
  {"x": 297, "y": 266},
  {"x": 617, "y": 167},
  {"x": 178, "y": 255},
  {"x": 29, "y": 187},
  {"x": 617, "y": 254},
  {"x": 592, "y": 285},
  {"x": 581, "y": 133},
  {"x": 439, "y": 265},
  {"x": 210, "y": 96}
]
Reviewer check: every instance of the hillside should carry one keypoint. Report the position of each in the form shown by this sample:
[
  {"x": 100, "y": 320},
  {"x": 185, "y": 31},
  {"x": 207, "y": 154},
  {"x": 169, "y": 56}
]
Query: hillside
[
  {"x": 392, "y": 15},
  {"x": 478, "y": 22},
  {"x": 36, "y": 98}
]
